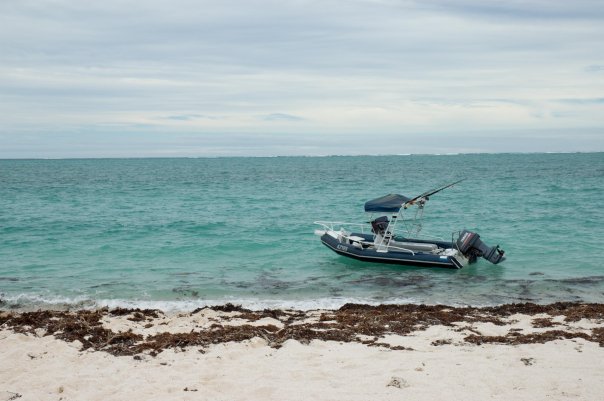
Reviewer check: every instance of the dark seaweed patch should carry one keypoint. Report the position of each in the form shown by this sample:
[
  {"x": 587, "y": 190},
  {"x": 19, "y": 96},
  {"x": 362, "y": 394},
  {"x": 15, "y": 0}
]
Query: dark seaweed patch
[
  {"x": 543, "y": 322},
  {"x": 515, "y": 338},
  {"x": 347, "y": 324},
  {"x": 138, "y": 314},
  {"x": 580, "y": 280}
]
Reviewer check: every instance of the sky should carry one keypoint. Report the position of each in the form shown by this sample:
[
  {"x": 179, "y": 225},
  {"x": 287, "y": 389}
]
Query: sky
[{"x": 184, "y": 78}]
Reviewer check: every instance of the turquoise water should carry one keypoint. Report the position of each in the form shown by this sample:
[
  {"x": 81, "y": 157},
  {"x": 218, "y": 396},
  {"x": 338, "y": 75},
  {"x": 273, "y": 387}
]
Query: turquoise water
[{"x": 182, "y": 233}]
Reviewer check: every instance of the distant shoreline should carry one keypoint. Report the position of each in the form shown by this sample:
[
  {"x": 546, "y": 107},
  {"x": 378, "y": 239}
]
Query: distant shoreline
[{"x": 298, "y": 156}]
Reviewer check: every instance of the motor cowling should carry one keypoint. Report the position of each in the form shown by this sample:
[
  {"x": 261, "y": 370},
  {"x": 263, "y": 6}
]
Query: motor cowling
[{"x": 472, "y": 247}]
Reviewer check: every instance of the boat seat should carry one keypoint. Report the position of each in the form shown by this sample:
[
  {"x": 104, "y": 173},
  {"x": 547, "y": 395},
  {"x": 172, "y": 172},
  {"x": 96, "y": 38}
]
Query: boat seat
[
  {"x": 356, "y": 241},
  {"x": 416, "y": 246},
  {"x": 356, "y": 238}
]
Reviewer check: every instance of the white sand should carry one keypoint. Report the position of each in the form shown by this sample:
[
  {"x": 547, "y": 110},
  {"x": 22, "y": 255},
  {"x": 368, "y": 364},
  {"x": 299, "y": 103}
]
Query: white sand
[{"x": 43, "y": 368}]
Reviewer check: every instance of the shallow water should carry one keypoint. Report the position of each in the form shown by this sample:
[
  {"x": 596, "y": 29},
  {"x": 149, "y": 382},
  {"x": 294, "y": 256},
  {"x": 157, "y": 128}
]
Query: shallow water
[{"x": 181, "y": 233}]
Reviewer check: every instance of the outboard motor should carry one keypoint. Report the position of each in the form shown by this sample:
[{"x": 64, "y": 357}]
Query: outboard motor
[{"x": 471, "y": 246}]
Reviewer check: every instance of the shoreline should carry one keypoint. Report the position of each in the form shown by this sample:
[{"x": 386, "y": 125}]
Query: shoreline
[
  {"x": 520, "y": 351},
  {"x": 139, "y": 330}
]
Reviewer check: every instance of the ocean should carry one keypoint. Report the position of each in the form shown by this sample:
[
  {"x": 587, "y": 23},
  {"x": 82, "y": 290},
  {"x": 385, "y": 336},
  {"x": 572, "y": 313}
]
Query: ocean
[{"x": 181, "y": 233}]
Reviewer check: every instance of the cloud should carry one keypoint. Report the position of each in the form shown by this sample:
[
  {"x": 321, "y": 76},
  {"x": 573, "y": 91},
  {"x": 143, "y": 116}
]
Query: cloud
[
  {"x": 584, "y": 101},
  {"x": 183, "y": 117},
  {"x": 281, "y": 117},
  {"x": 189, "y": 117},
  {"x": 331, "y": 69},
  {"x": 520, "y": 9},
  {"x": 594, "y": 68}
]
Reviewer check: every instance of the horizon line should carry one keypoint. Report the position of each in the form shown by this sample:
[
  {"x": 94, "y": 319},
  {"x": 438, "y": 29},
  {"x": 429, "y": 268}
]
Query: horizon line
[{"x": 298, "y": 156}]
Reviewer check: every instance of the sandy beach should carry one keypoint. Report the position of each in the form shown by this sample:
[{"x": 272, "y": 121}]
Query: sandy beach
[{"x": 359, "y": 352}]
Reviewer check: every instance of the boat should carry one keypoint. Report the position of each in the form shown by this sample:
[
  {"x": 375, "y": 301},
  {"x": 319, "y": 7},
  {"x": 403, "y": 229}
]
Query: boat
[{"x": 394, "y": 238}]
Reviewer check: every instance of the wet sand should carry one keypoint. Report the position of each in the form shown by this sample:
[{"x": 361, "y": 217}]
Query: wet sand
[{"x": 359, "y": 352}]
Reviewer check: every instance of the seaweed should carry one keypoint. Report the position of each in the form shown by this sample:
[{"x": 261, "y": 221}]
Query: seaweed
[
  {"x": 543, "y": 322},
  {"x": 138, "y": 314},
  {"x": 350, "y": 323},
  {"x": 532, "y": 338}
]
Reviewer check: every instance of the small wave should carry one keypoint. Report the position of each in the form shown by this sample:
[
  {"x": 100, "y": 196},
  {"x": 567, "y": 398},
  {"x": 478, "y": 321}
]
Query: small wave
[
  {"x": 30, "y": 301},
  {"x": 253, "y": 304}
]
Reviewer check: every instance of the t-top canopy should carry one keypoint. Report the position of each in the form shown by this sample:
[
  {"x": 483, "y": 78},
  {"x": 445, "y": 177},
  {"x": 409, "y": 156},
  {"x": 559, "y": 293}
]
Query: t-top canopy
[{"x": 390, "y": 203}]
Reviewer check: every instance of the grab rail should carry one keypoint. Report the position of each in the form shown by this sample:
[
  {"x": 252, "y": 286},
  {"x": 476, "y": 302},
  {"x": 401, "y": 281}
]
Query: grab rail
[{"x": 330, "y": 224}]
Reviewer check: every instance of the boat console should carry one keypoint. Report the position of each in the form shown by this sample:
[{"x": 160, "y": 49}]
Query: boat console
[{"x": 380, "y": 225}]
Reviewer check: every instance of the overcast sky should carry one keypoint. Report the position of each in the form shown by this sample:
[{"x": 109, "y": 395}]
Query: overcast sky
[{"x": 245, "y": 77}]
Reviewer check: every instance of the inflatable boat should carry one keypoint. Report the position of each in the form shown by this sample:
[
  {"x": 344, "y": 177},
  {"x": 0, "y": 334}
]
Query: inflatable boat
[{"x": 378, "y": 241}]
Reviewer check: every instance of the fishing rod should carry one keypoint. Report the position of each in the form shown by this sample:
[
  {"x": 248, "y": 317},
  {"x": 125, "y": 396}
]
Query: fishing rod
[{"x": 425, "y": 196}]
